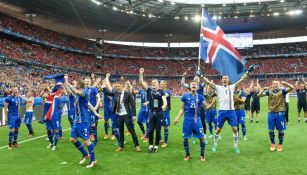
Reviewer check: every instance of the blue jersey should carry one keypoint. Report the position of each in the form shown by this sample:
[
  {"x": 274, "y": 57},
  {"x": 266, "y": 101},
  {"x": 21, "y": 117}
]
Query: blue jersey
[
  {"x": 13, "y": 104},
  {"x": 81, "y": 106},
  {"x": 57, "y": 109},
  {"x": 168, "y": 94},
  {"x": 143, "y": 96},
  {"x": 71, "y": 102},
  {"x": 106, "y": 101},
  {"x": 200, "y": 89},
  {"x": 92, "y": 93},
  {"x": 256, "y": 99},
  {"x": 192, "y": 104}
]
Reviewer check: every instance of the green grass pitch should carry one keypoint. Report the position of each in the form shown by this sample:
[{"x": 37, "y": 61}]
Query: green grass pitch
[{"x": 255, "y": 157}]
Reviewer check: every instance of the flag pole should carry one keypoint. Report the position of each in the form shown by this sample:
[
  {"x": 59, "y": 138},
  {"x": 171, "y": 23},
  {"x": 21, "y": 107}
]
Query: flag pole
[{"x": 201, "y": 21}]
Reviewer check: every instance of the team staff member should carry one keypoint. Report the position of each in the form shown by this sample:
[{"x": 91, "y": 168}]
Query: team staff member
[
  {"x": 301, "y": 91},
  {"x": 157, "y": 104}
]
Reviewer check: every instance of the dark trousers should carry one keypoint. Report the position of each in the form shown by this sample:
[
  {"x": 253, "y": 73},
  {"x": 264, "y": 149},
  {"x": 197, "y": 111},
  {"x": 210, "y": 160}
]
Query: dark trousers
[
  {"x": 155, "y": 123},
  {"x": 287, "y": 112},
  {"x": 125, "y": 119},
  {"x": 203, "y": 118}
]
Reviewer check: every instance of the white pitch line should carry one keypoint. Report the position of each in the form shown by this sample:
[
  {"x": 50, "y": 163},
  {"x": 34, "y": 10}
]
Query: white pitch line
[{"x": 34, "y": 138}]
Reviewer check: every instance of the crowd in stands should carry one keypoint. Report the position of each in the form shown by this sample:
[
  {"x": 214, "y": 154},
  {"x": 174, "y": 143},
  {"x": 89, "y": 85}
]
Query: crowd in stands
[
  {"x": 21, "y": 50},
  {"x": 37, "y": 32}
]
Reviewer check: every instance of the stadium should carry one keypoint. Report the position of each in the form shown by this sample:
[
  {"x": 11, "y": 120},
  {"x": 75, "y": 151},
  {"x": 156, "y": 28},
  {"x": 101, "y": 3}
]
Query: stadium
[{"x": 146, "y": 87}]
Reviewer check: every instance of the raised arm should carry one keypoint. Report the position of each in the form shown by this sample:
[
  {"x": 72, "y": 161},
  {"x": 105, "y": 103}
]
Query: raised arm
[
  {"x": 289, "y": 87},
  {"x": 108, "y": 84},
  {"x": 261, "y": 92},
  {"x": 242, "y": 79},
  {"x": 208, "y": 82},
  {"x": 180, "y": 113},
  {"x": 98, "y": 99},
  {"x": 141, "y": 79},
  {"x": 251, "y": 86},
  {"x": 183, "y": 84},
  {"x": 72, "y": 88}
]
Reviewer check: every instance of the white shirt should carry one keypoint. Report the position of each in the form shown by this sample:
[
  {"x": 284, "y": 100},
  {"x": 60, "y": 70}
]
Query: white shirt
[
  {"x": 225, "y": 95},
  {"x": 287, "y": 97},
  {"x": 122, "y": 110}
]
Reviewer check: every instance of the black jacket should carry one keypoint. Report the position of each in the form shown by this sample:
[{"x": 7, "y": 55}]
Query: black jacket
[{"x": 128, "y": 101}]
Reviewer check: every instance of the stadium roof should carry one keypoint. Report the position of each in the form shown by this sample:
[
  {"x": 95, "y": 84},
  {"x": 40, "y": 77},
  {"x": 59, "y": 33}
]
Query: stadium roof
[{"x": 155, "y": 20}]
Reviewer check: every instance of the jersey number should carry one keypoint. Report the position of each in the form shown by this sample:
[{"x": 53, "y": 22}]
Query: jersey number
[{"x": 192, "y": 105}]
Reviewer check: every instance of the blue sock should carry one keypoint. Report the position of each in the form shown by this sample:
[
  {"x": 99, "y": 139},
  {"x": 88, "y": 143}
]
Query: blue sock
[
  {"x": 281, "y": 137},
  {"x": 56, "y": 138},
  {"x": 186, "y": 146},
  {"x": 142, "y": 127},
  {"x": 80, "y": 147},
  {"x": 202, "y": 148},
  {"x": 91, "y": 151},
  {"x": 166, "y": 135},
  {"x": 15, "y": 136},
  {"x": 11, "y": 136},
  {"x": 210, "y": 128},
  {"x": 272, "y": 137},
  {"x": 50, "y": 137},
  {"x": 30, "y": 129},
  {"x": 243, "y": 129},
  {"x": 60, "y": 133},
  {"x": 106, "y": 127}
]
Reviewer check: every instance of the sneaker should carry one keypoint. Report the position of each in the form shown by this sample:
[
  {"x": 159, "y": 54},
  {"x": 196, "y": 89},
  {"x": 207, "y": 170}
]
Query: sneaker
[
  {"x": 305, "y": 121},
  {"x": 143, "y": 136},
  {"x": 30, "y": 134},
  {"x": 61, "y": 138},
  {"x": 220, "y": 137},
  {"x": 279, "y": 148},
  {"x": 273, "y": 147},
  {"x": 150, "y": 149},
  {"x": 194, "y": 141},
  {"x": 119, "y": 149},
  {"x": 84, "y": 159},
  {"x": 299, "y": 120},
  {"x": 161, "y": 142},
  {"x": 138, "y": 149},
  {"x": 49, "y": 146},
  {"x": 237, "y": 150},
  {"x": 9, "y": 146},
  {"x": 164, "y": 145},
  {"x": 105, "y": 137},
  {"x": 155, "y": 149},
  {"x": 145, "y": 140},
  {"x": 202, "y": 158},
  {"x": 53, "y": 148},
  {"x": 211, "y": 136},
  {"x": 92, "y": 137},
  {"x": 16, "y": 145},
  {"x": 214, "y": 148},
  {"x": 187, "y": 157},
  {"x": 91, "y": 164},
  {"x": 244, "y": 138},
  {"x": 206, "y": 142},
  {"x": 113, "y": 137}
]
